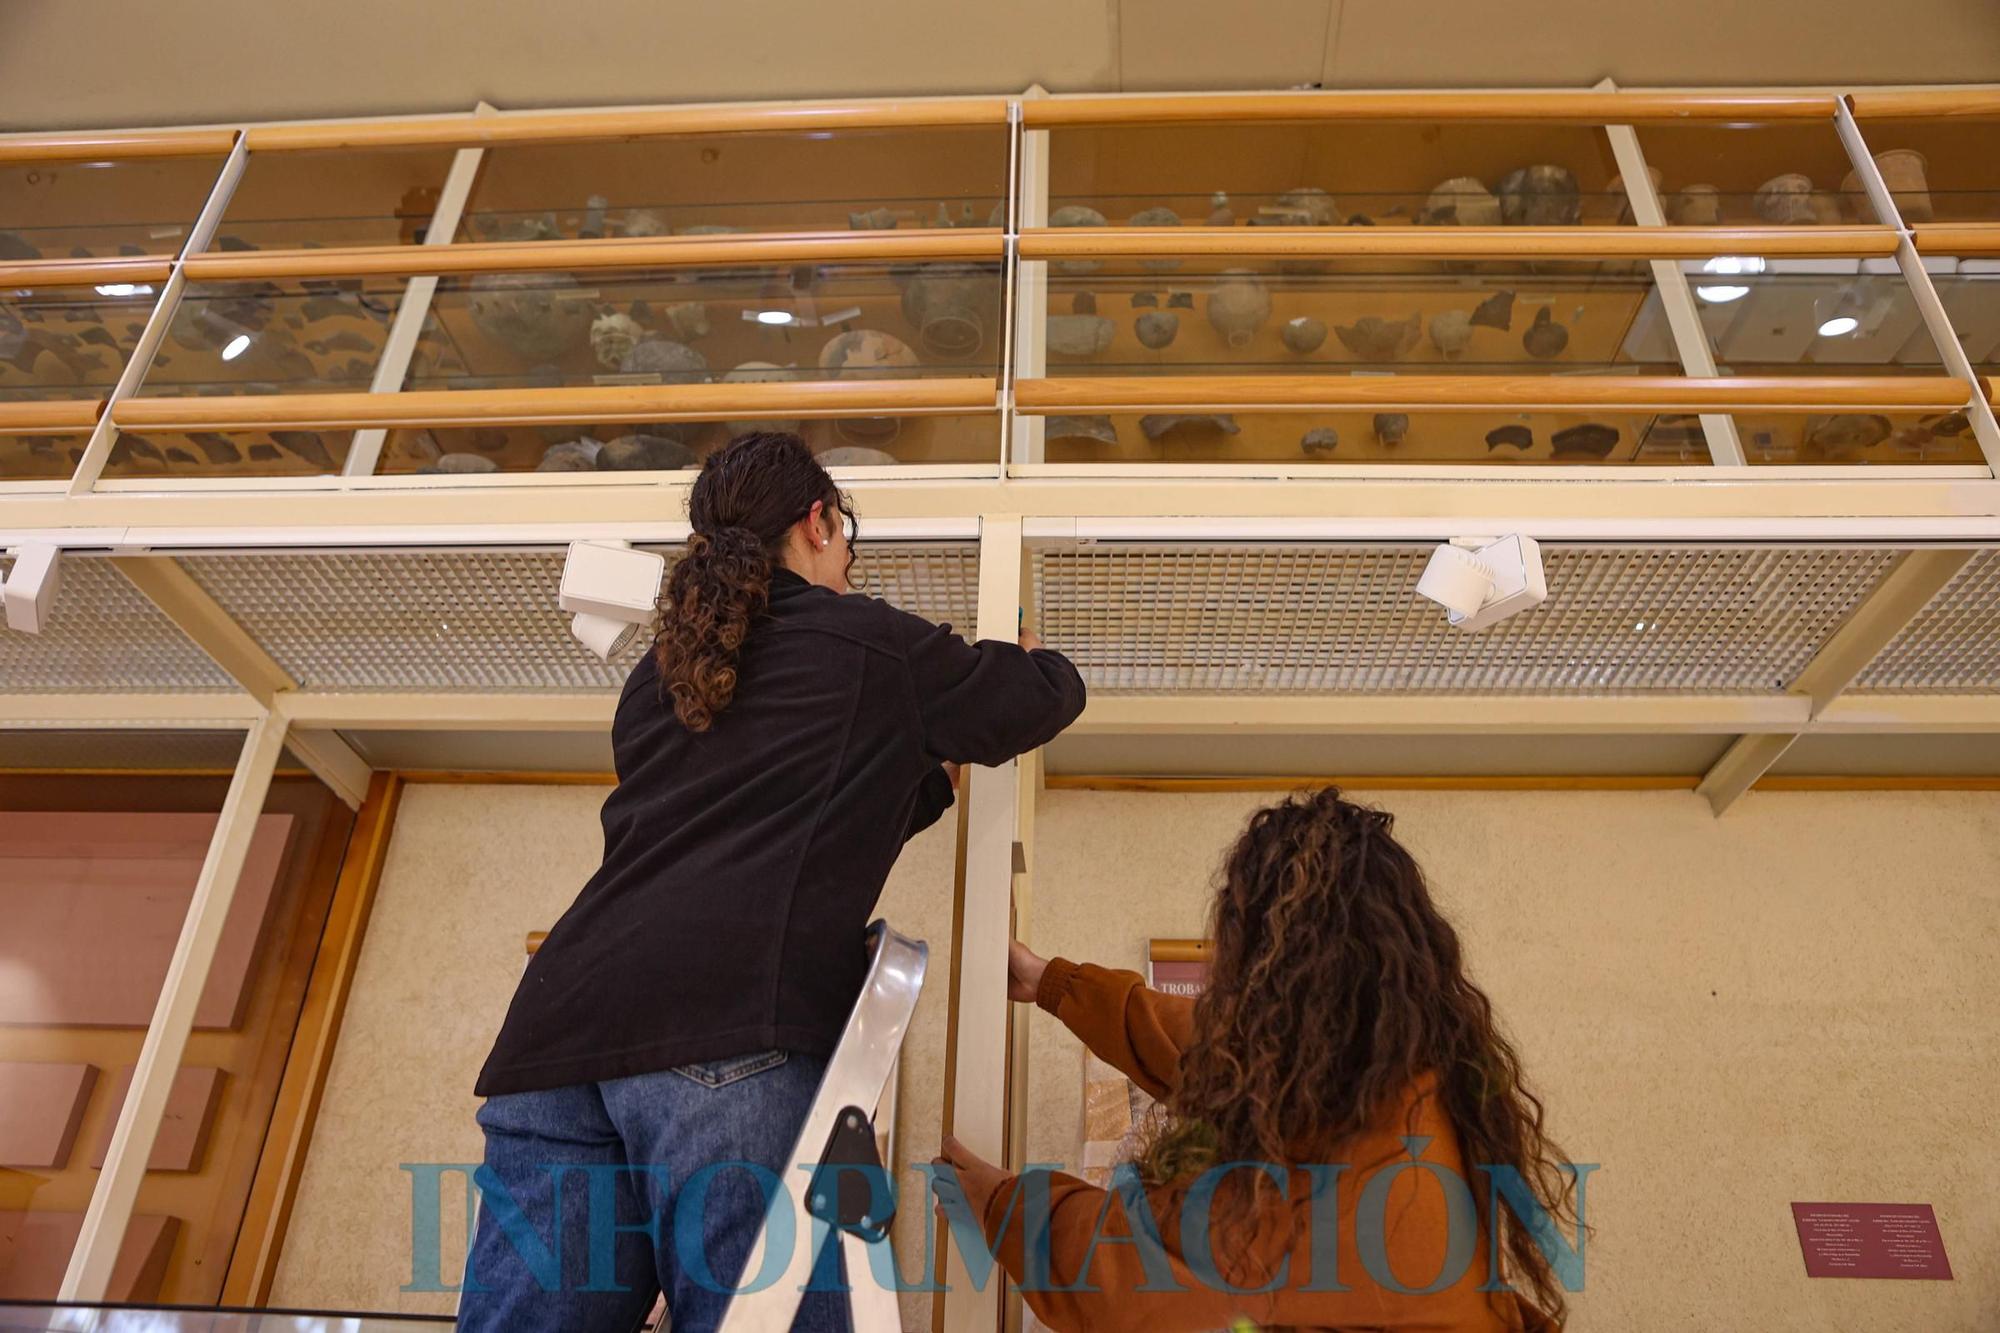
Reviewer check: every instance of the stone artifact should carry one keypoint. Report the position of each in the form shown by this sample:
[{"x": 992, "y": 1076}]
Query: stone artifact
[
  {"x": 1238, "y": 306},
  {"x": 848, "y": 455},
  {"x": 1180, "y": 300},
  {"x": 1495, "y": 312},
  {"x": 866, "y": 352},
  {"x": 1303, "y": 334},
  {"x": 1545, "y": 338},
  {"x": 1462, "y": 201},
  {"x": 1373, "y": 338},
  {"x": 1540, "y": 196},
  {"x": 1451, "y": 331},
  {"x": 578, "y": 455},
  {"x": 612, "y": 337},
  {"x": 674, "y": 362},
  {"x": 1161, "y": 424},
  {"x": 1519, "y": 437},
  {"x": 1079, "y": 335},
  {"x": 1849, "y": 430},
  {"x": 642, "y": 222},
  {"x": 1156, "y": 217},
  {"x": 1589, "y": 440},
  {"x": 536, "y": 316},
  {"x": 1100, "y": 429},
  {"x": 1156, "y": 328},
  {"x": 1905, "y": 171},
  {"x": 761, "y": 372},
  {"x": 644, "y": 453},
  {"x": 1076, "y": 215},
  {"x": 1220, "y": 214},
  {"x": 460, "y": 464},
  {"x": 1696, "y": 206},
  {"x": 1145, "y": 301},
  {"x": 687, "y": 319},
  {"x": 1391, "y": 428},
  {"x": 1303, "y": 206},
  {"x": 1319, "y": 440},
  {"x": 1083, "y": 303}
]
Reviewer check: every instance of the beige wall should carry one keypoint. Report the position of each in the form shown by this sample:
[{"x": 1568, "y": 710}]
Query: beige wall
[{"x": 1792, "y": 1003}]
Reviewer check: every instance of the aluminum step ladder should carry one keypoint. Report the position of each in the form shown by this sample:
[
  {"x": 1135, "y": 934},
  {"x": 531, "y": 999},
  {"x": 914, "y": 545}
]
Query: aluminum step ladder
[{"x": 839, "y": 1131}]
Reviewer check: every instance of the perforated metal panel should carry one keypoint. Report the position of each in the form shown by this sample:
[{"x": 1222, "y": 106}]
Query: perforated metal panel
[
  {"x": 480, "y": 620},
  {"x": 1953, "y": 644},
  {"x": 1144, "y": 617},
  {"x": 104, "y": 635}
]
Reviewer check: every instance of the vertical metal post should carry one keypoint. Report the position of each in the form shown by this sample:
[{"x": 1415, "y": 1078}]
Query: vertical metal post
[
  {"x": 1725, "y": 447},
  {"x": 1029, "y": 208},
  {"x": 98, "y": 452},
  {"x": 364, "y": 453},
  {"x": 1922, "y": 290},
  {"x": 117, "y": 1191},
  {"x": 978, "y": 1115}
]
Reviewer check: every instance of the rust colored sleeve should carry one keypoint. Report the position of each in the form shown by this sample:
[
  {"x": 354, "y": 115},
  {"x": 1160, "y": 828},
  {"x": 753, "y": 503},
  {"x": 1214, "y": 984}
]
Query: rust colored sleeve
[{"x": 1139, "y": 1032}]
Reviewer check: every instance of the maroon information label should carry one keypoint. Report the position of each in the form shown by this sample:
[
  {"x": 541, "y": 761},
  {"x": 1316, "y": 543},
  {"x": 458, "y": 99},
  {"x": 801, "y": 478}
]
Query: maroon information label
[
  {"x": 1179, "y": 978},
  {"x": 1871, "y": 1240}
]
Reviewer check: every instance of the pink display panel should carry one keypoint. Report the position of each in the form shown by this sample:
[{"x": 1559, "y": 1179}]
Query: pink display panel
[
  {"x": 1871, "y": 1240},
  {"x": 35, "y": 1249},
  {"x": 191, "y": 1106},
  {"x": 41, "y": 1105},
  {"x": 94, "y": 905}
]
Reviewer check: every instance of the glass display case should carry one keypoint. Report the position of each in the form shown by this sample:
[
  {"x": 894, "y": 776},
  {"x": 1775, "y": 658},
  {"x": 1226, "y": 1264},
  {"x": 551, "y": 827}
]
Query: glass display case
[{"x": 780, "y": 266}]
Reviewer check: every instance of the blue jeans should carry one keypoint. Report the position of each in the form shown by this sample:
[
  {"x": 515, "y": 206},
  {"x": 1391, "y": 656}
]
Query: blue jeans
[{"x": 594, "y": 1199}]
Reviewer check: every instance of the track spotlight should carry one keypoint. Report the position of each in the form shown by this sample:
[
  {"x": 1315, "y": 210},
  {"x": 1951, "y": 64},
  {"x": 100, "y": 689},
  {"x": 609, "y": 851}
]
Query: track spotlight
[
  {"x": 610, "y": 590},
  {"x": 1482, "y": 581},
  {"x": 30, "y": 590}
]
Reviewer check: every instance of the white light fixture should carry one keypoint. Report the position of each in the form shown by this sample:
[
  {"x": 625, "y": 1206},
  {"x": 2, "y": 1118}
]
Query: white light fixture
[
  {"x": 1480, "y": 581},
  {"x": 1721, "y": 293},
  {"x": 1839, "y": 326},
  {"x": 774, "y": 317},
  {"x": 125, "y": 289},
  {"x": 610, "y": 590},
  {"x": 30, "y": 590},
  {"x": 235, "y": 347}
]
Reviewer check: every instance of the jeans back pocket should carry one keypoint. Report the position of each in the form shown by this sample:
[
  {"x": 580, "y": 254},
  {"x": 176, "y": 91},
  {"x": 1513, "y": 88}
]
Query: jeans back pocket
[{"x": 721, "y": 1073}]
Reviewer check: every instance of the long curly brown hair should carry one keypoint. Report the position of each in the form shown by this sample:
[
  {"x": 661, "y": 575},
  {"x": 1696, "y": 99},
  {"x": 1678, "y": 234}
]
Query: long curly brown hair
[
  {"x": 749, "y": 495},
  {"x": 1335, "y": 986}
]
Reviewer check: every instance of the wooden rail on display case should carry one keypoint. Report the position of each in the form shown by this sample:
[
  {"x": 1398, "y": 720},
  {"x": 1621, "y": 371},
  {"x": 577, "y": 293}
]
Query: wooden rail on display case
[
  {"x": 1453, "y": 242},
  {"x": 114, "y": 145},
  {"x": 1965, "y": 238},
  {"x": 649, "y": 252},
  {"x": 1285, "y": 393},
  {"x": 34, "y": 273},
  {"x": 571, "y": 406},
  {"x": 540, "y": 127},
  {"x": 1583, "y": 108},
  {"x": 65, "y": 417},
  {"x": 1925, "y": 103}
]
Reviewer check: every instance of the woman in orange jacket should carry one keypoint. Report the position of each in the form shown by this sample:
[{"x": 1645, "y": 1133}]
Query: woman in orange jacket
[{"x": 1341, "y": 1074}]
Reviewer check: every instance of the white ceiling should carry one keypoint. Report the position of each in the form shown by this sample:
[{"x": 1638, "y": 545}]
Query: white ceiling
[{"x": 105, "y": 63}]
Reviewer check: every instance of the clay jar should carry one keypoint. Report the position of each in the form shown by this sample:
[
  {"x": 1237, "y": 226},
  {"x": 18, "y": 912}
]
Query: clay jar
[
  {"x": 1239, "y": 306},
  {"x": 1905, "y": 172}
]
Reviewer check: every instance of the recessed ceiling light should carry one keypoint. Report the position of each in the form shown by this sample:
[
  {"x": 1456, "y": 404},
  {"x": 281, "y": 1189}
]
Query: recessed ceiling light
[
  {"x": 1734, "y": 264},
  {"x": 1839, "y": 326},
  {"x": 236, "y": 347},
  {"x": 774, "y": 316},
  {"x": 1719, "y": 295},
  {"x": 125, "y": 289}
]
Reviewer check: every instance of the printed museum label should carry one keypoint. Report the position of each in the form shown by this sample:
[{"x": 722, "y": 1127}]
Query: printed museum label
[{"x": 1871, "y": 1240}]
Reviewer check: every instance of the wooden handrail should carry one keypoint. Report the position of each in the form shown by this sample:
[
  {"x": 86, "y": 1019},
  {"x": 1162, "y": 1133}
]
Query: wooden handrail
[
  {"x": 1452, "y": 242},
  {"x": 66, "y": 417},
  {"x": 1584, "y": 108},
  {"x": 32, "y": 273},
  {"x": 521, "y": 127},
  {"x": 1965, "y": 238},
  {"x": 1078, "y": 394},
  {"x": 403, "y": 261},
  {"x": 114, "y": 145},
  {"x": 590, "y": 403},
  {"x": 1925, "y": 103}
]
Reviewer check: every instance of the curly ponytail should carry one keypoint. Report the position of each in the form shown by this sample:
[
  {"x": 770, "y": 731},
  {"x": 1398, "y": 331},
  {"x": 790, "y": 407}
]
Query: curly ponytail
[{"x": 746, "y": 500}]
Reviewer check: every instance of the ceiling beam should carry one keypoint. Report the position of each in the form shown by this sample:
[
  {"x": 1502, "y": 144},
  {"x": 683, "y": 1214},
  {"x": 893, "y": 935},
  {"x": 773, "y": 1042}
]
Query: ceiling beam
[{"x": 1904, "y": 591}]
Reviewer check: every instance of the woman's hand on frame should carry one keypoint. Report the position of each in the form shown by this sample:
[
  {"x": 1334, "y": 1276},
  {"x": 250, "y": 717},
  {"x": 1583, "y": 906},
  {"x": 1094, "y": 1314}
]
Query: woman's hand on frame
[{"x": 1024, "y": 972}]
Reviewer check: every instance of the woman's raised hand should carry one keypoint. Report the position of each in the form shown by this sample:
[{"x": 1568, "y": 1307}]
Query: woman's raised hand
[{"x": 1024, "y": 972}]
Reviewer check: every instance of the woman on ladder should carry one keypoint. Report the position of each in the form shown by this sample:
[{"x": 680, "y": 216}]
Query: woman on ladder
[{"x": 775, "y": 750}]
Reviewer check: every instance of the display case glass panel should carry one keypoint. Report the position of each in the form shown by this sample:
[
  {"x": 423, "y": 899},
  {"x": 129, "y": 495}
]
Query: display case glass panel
[
  {"x": 740, "y": 324},
  {"x": 721, "y": 183},
  {"x": 1809, "y": 316},
  {"x": 84, "y": 210},
  {"x": 1857, "y": 438},
  {"x": 285, "y": 335},
  {"x": 670, "y": 446},
  {"x": 1938, "y": 170},
  {"x": 349, "y": 197},
  {"x": 1347, "y": 316},
  {"x": 1498, "y": 437},
  {"x": 1333, "y": 173},
  {"x": 41, "y": 457},
  {"x": 1971, "y": 297},
  {"x": 1792, "y": 174},
  {"x": 69, "y": 342}
]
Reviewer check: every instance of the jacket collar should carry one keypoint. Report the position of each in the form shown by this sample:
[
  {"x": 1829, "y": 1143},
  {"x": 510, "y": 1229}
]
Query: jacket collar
[{"x": 785, "y": 583}]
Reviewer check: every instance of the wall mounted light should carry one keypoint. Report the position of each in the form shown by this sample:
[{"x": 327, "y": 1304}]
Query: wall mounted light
[
  {"x": 1480, "y": 581},
  {"x": 611, "y": 591},
  {"x": 30, "y": 590}
]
